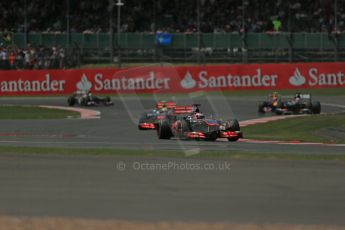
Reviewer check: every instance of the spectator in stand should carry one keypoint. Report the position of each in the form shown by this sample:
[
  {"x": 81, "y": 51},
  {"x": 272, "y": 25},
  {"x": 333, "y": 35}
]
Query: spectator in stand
[
  {"x": 32, "y": 58},
  {"x": 27, "y": 60},
  {"x": 4, "y": 58},
  {"x": 277, "y": 24},
  {"x": 19, "y": 59},
  {"x": 54, "y": 58},
  {"x": 12, "y": 60}
]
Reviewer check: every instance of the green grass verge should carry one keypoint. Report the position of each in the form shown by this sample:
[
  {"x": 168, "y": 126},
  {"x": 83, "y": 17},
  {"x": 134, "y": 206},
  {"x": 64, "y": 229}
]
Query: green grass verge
[
  {"x": 239, "y": 155},
  {"x": 315, "y": 128},
  {"x": 32, "y": 112}
]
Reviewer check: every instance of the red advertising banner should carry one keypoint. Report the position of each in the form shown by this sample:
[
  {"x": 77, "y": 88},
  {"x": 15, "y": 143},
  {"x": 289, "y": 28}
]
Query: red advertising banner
[{"x": 173, "y": 79}]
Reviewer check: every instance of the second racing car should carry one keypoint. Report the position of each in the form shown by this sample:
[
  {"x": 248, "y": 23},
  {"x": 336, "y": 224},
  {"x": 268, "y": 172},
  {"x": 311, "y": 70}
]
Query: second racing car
[
  {"x": 150, "y": 119},
  {"x": 86, "y": 98},
  {"x": 270, "y": 105},
  {"x": 299, "y": 104}
]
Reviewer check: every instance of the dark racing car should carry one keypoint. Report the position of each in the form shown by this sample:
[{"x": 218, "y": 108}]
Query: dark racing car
[
  {"x": 300, "y": 104},
  {"x": 150, "y": 119},
  {"x": 88, "y": 99},
  {"x": 186, "y": 122},
  {"x": 270, "y": 105}
]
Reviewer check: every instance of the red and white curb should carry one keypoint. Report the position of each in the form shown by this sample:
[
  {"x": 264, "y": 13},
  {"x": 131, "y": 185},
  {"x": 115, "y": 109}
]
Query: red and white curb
[
  {"x": 277, "y": 118},
  {"x": 84, "y": 113}
]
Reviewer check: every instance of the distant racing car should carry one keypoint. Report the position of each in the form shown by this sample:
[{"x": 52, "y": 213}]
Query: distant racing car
[
  {"x": 88, "y": 99},
  {"x": 270, "y": 105},
  {"x": 187, "y": 122},
  {"x": 300, "y": 104},
  {"x": 150, "y": 119}
]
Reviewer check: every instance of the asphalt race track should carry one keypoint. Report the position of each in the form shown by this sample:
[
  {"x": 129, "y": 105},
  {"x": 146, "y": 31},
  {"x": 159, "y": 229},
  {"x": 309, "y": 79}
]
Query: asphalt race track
[
  {"x": 117, "y": 127},
  {"x": 294, "y": 192}
]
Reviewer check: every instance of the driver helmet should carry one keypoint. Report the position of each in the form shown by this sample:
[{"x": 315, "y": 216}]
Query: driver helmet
[
  {"x": 297, "y": 97},
  {"x": 275, "y": 95},
  {"x": 199, "y": 116},
  {"x": 196, "y": 109},
  {"x": 164, "y": 108}
]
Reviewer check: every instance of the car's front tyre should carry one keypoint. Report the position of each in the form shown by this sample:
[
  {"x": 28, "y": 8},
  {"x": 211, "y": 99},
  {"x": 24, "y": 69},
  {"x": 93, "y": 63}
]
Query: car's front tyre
[
  {"x": 316, "y": 107},
  {"x": 71, "y": 101},
  {"x": 164, "y": 130}
]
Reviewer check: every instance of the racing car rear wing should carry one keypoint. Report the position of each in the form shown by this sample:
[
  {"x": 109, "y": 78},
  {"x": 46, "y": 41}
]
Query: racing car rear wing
[
  {"x": 81, "y": 92},
  {"x": 184, "y": 109},
  {"x": 305, "y": 96},
  {"x": 302, "y": 96},
  {"x": 166, "y": 104}
]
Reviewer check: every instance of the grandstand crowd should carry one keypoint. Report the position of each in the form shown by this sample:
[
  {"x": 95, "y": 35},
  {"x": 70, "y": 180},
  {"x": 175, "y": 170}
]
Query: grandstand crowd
[
  {"x": 12, "y": 58},
  {"x": 151, "y": 16},
  {"x": 89, "y": 16}
]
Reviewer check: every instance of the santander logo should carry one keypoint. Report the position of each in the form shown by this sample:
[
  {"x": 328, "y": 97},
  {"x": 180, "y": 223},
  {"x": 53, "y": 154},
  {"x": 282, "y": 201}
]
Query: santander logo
[
  {"x": 315, "y": 77},
  {"x": 188, "y": 82},
  {"x": 84, "y": 84},
  {"x": 297, "y": 79}
]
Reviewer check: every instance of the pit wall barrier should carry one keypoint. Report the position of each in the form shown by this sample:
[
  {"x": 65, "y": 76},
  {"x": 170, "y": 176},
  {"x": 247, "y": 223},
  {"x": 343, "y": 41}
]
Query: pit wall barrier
[{"x": 170, "y": 79}]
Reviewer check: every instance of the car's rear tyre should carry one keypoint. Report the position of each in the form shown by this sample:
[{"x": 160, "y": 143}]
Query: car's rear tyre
[
  {"x": 164, "y": 130},
  {"x": 107, "y": 100},
  {"x": 232, "y": 125},
  {"x": 71, "y": 100},
  {"x": 84, "y": 101},
  {"x": 316, "y": 107}
]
